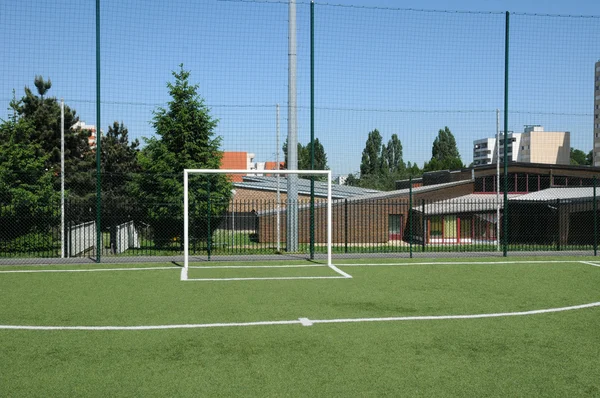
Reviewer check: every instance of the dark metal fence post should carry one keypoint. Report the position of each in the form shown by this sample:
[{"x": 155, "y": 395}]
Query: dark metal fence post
[
  {"x": 424, "y": 224},
  {"x": 312, "y": 129},
  {"x": 346, "y": 225},
  {"x": 98, "y": 142},
  {"x": 505, "y": 216},
  {"x": 209, "y": 235},
  {"x": 410, "y": 231},
  {"x": 559, "y": 226}
]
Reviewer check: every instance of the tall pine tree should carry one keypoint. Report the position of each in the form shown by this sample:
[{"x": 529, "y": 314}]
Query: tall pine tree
[
  {"x": 185, "y": 139},
  {"x": 119, "y": 164}
]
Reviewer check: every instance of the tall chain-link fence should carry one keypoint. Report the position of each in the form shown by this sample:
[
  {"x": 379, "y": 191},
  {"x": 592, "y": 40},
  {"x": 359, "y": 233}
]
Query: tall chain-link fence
[{"x": 411, "y": 110}]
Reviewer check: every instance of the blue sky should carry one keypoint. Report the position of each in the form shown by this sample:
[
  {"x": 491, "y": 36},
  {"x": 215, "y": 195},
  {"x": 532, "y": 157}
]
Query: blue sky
[{"x": 398, "y": 70}]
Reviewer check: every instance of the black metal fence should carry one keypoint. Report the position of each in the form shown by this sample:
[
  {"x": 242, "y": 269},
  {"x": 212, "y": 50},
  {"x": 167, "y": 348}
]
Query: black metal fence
[{"x": 469, "y": 225}]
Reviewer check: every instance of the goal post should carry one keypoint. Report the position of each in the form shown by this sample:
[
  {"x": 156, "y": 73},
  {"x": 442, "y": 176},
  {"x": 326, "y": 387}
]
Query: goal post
[{"x": 188, "y": 173}]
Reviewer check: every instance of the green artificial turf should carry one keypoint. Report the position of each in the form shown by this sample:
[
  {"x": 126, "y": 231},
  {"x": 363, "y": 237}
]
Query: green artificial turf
[{"x": 554, "y": 354}]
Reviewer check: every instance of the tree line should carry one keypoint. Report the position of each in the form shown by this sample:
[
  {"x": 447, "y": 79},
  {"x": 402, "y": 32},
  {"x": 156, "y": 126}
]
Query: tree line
[
  {"x": 145, "y": 184},
  {"x": 382, "y": 165},
  {"x": 139, "y": 184}
]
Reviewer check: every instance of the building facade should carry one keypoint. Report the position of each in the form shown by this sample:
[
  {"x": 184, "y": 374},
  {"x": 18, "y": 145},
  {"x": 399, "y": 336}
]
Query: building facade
[
  {"x": 597, "y": 115},
  {"x": 80, "y": 125},
  {"x": 237, "y": 161},
  {"x": 545, "y": 147},
  {"x": 486, "y": 152},
  {"x": 534, "y": 145}
]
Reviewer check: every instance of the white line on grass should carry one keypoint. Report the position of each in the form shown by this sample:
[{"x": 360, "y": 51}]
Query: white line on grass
[
  {"x": 303, "y": 266},
  {"x": 467, "y": 316},
  {"x": 590, "y": 263},
  {"x": 267, "y": 278},
  {"x": 33, "y": 271},
  {"x": 461, "y": 263},
  {"x": 255, "y": 266},
  {"x": 305, "y": 321},
  {"x": 339, "y": 271}
]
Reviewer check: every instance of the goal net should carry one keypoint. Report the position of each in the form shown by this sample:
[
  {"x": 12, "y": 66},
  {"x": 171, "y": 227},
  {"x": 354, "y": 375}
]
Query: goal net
[{"x": 239, "y": 214}]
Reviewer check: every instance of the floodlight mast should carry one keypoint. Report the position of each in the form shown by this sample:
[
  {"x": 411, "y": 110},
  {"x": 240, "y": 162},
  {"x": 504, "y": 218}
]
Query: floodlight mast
[
  {"x": 292, "y": 144},
  {"x": 62, "y": 178}
]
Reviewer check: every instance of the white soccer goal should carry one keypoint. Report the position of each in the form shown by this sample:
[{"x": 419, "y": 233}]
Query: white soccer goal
[{"x": 326, "y": 239}]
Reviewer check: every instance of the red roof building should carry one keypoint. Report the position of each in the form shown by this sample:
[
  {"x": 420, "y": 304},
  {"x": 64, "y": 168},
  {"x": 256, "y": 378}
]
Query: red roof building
[{"x": 236, "y": 161}]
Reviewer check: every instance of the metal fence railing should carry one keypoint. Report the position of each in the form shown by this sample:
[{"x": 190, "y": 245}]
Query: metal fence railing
[{"x": 360, "y": 225}]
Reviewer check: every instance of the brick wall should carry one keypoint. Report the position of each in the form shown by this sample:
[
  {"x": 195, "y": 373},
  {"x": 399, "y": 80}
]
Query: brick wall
[{"x": 355, "y": 220}]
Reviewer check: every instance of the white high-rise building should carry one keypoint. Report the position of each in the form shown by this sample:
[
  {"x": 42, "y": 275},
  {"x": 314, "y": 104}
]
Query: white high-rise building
[
  {"x": 597, "y": 116},
  {"x": 485, "y": 150}
]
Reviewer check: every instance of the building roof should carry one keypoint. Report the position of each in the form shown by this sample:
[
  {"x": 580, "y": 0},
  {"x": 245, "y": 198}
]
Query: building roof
[
  {"x": 374, "y": 195},
  {"x": 472, "y": 203},
  {"x": 267, "y": 183},
  {"x": 415, "y": 190},
  {"x": 273, "y": 166},
  {"x": 234, "y": 161},
  {"x": 574, "y": 193}
]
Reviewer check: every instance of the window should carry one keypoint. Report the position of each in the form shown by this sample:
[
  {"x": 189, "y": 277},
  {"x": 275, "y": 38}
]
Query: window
[
  {"x": 395, "y": 226},
  {"x": 450, "y": 227},
  {"x": 436, "y": 227}
]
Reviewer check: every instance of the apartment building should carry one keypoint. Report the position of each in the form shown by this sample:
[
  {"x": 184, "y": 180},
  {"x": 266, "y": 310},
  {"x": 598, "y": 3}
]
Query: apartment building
[
  {"x": 91, "y": 132},
  {"x": 485, "y": 150},
  {"x": 597, "y": 115},
  {"x": 534, "y": 145},
  {"x": 545, "y": 147}
]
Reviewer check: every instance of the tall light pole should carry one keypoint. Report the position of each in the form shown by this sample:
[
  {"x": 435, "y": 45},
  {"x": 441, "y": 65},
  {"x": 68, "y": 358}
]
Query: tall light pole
[
  {"x": 278, "y": 175},
  {"x": 498, "y": 179},
  {"x": 292, "y": 147},
  {"x": 62, "y": 178}
]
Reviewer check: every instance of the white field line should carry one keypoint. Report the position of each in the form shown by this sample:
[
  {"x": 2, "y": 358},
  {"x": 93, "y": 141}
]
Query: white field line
[
  {"x": 339, "y": 271},
  {"x": 467, "y": 316},
  {"x": 267, "y": 278},
  {"x": 33, "y": 271},
  {"x": 304, "y": 266},
  {"x": 462, "y": 263},
  {"x": 306, "y": 321},
  {"x": 590, "y": 263},
  {"x": 255, "y": 266}
]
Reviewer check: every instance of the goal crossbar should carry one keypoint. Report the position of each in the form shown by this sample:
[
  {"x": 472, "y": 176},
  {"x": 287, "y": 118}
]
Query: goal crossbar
[{"x": 187, "y": 172}]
